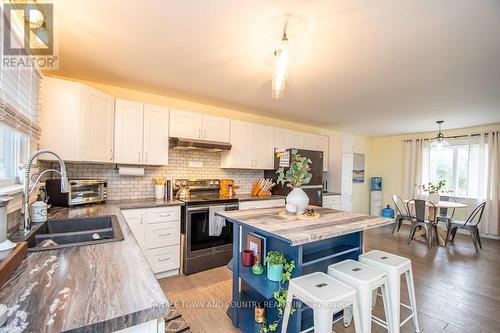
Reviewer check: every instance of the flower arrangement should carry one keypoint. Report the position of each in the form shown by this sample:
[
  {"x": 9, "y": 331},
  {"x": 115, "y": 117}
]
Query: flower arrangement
[
  {"x": 297, "y": 174},
  {"x": 434, "y": 188}
]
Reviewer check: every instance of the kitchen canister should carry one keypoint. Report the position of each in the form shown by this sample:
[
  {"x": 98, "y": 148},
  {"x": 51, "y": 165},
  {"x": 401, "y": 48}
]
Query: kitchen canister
[
  {"x": 159, "y": 191},
  {"x": 38, "y": 211}
]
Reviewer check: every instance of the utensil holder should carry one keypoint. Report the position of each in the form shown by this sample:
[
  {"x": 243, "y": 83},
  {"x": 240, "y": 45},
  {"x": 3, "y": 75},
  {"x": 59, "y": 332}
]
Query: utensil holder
[
  {"x": 159, "y": 191},
  {"x": 248, "y": 257}
]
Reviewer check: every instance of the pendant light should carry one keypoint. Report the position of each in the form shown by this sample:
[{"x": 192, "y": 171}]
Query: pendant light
[
  {"x": 280, "y": 73},
  {"x": 439, "y": 141}
]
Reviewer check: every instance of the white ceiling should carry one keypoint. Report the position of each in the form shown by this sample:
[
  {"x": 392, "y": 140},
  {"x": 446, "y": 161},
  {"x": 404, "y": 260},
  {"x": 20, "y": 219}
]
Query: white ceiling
[{"x": 369, "y": 67}]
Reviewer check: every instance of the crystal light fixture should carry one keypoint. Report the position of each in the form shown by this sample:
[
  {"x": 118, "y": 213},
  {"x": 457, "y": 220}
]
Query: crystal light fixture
[
  {"x": 439, "y": 141},
  {"x": 280, "y": 73}
]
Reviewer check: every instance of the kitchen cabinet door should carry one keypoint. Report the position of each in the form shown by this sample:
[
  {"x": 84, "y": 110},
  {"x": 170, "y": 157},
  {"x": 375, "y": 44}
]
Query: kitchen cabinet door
[
  {"x": 263, "y": 147},
  {"x": 60, "y": 118},
  {"x": 295, "y": 139},
  {"x": 346, "y": 181},
  {"x": 324, "y": 146},
  {"x": 129, "y": 128},
  {"x": 241, "y": 153},
  {"x": 280, "y": 138},
  {"x": 155, "y": 135},
  {"x": 215, "y": 128},
  {"x": 134, "y": 218},
  {"x": 311, "y": 141},
  {"x": 98, "y": 126},
  {"x": 185, "y": 124}
]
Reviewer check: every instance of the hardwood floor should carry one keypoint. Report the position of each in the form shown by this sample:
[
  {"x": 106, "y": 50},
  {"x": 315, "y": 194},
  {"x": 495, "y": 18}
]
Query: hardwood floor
[{"x": 458, "y": 291}]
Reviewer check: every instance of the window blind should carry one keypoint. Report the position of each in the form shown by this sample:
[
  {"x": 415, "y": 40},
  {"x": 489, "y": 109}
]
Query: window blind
[{"x": 19, "y": 94}]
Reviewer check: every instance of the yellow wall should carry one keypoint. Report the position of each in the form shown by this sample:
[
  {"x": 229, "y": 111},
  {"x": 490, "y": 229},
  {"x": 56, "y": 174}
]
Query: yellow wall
[
  {"x": 149, "y": 98},
  {"x": 388, "y": 156}
]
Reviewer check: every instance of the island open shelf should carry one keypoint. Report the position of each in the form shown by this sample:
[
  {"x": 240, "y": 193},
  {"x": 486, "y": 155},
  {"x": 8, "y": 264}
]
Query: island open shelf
[{"x": 312, "y": 244}]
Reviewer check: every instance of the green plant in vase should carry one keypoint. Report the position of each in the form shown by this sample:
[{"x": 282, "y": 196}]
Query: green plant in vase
[
  {"x": 294, "y": 177},
  {"x": 276, "y": 260}
]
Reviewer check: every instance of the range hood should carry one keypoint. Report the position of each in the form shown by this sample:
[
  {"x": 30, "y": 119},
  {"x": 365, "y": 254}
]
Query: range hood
[{"x": 186, "y": 144}]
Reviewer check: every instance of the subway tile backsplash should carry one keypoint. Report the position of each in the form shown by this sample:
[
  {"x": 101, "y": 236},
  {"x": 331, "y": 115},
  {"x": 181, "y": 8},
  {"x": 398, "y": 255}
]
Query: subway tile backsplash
[{"x": 140, "y": 187}]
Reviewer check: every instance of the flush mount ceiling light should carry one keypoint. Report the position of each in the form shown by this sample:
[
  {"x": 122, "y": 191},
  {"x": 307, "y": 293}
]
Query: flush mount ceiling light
[
  {"x": 439, "y": 141},
  {"x": 280, "y": 73}
]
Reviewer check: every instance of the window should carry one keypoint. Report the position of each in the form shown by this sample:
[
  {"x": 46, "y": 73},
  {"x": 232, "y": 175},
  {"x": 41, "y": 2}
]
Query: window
[
  {"x": 463, "y": 165},
  {"x": 14, "y": 148}
]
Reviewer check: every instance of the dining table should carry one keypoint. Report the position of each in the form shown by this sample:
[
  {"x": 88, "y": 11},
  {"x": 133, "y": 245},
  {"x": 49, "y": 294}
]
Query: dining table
[{"x": 431, "y": 215}]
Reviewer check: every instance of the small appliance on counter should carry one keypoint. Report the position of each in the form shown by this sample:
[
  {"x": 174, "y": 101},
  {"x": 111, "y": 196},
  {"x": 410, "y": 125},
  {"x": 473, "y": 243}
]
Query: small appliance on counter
[{"x": 81, "y": 192}]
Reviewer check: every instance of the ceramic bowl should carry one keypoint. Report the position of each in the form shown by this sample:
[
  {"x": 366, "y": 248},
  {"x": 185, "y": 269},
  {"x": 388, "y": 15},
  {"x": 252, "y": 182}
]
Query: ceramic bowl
[{"x": 6, "y": 248}]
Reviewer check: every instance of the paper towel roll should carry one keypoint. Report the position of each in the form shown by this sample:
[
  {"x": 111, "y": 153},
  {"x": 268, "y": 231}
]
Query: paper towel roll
[{"x": 128, "y": 171}]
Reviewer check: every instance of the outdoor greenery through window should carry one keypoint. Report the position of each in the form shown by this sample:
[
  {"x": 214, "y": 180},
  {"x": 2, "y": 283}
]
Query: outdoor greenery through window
[
  {"x": 462, "y": 165},
  {"x": 14, "y": 148}
]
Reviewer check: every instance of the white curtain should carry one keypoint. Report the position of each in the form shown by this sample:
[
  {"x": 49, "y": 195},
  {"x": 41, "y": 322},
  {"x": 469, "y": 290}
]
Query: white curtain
[
  {"x": 491, "y": 223},
  {"x": 416, "y": 160}
]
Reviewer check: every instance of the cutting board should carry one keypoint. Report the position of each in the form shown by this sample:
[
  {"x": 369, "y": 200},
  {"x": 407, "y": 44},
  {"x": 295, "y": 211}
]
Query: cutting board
[{"x": 12, "y": 262}]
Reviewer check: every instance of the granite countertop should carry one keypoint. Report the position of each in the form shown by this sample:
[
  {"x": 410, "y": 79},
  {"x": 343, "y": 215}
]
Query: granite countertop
[
  {"x": 145, "y": 203},
  {"x": 95, "y": 288},
  {"x": 248, "y": 197},
  {"x": 331, "y": 223}
]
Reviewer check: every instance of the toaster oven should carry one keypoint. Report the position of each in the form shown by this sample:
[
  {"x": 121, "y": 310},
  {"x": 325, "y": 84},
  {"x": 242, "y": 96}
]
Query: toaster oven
[{"x": 81, "y": 191}]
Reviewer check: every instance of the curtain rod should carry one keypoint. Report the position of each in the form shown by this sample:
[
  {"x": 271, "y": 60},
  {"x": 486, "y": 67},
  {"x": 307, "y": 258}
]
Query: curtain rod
[{"x": 451, "y": 137}]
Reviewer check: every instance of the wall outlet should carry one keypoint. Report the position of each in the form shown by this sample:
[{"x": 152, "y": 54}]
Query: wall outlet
[{"x": 195, "y": 164}]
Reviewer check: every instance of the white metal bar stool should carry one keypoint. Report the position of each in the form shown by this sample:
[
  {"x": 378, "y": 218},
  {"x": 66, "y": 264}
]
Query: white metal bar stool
[
  {"x": 365, "y": 279},
  {"x": 325, "y": 296},
  {"x": 394, "y": 266}
]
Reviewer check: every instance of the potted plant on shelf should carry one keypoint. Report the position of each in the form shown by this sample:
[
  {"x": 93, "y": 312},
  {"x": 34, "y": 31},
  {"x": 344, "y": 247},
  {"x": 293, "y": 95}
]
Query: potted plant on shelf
[
  {"x": 297, "y": 175},
  {"x": 433, "y": 190},
  {"x": 275, "y": 261}
]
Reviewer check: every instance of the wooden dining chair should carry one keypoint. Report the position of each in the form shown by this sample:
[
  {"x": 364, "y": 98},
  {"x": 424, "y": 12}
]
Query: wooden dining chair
[
  {"x": 419, "y": 220},
  {"x": 402, "y": 213},
  {"x": 471, "y": 225}
]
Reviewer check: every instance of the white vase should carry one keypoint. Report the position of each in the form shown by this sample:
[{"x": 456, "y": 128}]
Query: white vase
[
  {"x": 159, "y": 191},
  {"x": 298, "y": 198},
  {"x": 434, "y": 198}
]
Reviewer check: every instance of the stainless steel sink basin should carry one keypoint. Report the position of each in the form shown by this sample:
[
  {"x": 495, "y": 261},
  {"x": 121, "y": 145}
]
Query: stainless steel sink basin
[{"x": 56, "y": 234}]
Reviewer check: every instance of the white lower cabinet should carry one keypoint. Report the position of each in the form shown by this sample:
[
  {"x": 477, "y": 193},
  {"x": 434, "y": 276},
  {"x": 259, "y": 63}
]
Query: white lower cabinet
[
  {"x": 331, "y": 201},
  {"x": 256, "y": 204},
  {"x": 152, "y": 326},
  {"x": 157, "y": 231}
]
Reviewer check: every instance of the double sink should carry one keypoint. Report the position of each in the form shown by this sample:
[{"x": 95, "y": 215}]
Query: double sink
[{"x": 56, "y": 234}]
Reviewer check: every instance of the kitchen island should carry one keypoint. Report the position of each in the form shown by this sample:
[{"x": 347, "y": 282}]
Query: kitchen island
[
  {"x": 313, "y": 244},
  {"x": 95, "y": 288}
]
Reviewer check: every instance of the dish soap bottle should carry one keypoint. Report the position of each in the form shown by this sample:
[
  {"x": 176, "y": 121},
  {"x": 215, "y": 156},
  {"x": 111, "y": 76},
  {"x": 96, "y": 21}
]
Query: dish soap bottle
[{"x": 257, "y": 268}]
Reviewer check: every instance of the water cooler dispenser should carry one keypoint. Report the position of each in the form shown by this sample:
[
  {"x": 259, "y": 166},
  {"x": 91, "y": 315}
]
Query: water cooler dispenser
[{"x": 376, "y": 196}]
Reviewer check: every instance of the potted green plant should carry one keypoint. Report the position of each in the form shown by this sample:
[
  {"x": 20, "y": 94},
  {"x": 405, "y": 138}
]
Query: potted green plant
[
  {"x": 433, "y": 190},
  {"x": 297, "y": 175},
  {"x": 275, "y": 261}
]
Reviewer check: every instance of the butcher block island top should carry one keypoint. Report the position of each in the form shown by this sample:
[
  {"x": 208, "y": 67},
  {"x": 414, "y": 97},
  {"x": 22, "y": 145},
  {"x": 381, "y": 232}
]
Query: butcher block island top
[{"x": 331, "y": 223}]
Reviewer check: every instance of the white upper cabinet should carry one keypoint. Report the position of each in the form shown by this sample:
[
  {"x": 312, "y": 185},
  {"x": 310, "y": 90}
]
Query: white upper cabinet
[
  {"x": 141, "y": 133},
  {"x": 61, "y": 103},
  {"x": 251, "y": 147},
  {"x": 193, "y": 125},
  {"x": 129, "y": 119},
  {"x": 186, "y": 124},
  {"x": 98, "y": 126},
  {"x": 241, "y": 154},
  {"x": 263, "y": 147},
  {"x": 155, "y": 135},
  {"x": 216, "y": 128},
  {"x": 77, "y": 121},
  {"x": 324, "y": 147},
  {"x": 285, "y": 138}
]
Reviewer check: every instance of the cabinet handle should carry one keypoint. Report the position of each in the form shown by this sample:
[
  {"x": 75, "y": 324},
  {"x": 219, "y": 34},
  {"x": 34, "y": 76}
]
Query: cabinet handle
[
  {"x": 146, "y": 156},
  {"x": 164, "y": 259},
  {"x": 139, "y": 157},
  {"x": 167, "y": 234},
  {"x": 199, "y": 133},
  {"x": 164, "y": 215},
  {"x": 205, "y": 134},
  {"x": 111, "y": 153}
]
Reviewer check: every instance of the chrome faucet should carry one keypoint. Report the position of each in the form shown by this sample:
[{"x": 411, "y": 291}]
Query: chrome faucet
[{"x": 27, "y": 192}]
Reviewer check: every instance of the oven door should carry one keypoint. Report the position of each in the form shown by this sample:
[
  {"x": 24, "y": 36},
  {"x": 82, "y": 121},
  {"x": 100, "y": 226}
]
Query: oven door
[{"x": 197, "y": 231}]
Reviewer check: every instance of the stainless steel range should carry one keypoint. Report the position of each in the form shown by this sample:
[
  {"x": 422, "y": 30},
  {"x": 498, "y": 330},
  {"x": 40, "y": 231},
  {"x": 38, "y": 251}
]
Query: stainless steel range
[{"x": 202, "y": 247}]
